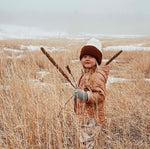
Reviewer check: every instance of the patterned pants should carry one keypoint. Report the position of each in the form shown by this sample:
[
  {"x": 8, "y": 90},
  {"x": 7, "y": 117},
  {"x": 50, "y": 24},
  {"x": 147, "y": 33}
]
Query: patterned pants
[{"x": 89, "y": 131}]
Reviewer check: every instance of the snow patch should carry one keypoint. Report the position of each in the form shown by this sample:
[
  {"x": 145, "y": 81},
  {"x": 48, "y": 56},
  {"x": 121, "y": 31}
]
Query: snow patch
[
  {"x": 30, "y": 48},
  {"x": 37, "y": 48},
  {"x": 75, "y": 61},
  {"x": 147, "y": 79},
  {"x": 2, "y": 87},
  {"x": 114, "y": 80},
  {"x": 38, "y": 83},
  {"x": 15, "y": 57},
  {"x": 13, "y": 50},
  {"x": 68, "y": 85},
  {"x": 43, "y": 73},
  {"x": 127, "y": 48},
  {"x": 24, "y": 32},
  {"x": 52, "y": 49}
]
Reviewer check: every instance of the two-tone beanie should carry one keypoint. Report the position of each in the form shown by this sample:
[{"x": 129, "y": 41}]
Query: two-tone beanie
[{"x": 93, "y": 48}]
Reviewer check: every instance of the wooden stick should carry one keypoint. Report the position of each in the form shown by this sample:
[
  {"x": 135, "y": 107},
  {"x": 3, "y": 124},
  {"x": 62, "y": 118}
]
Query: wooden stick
[
  {"x": 57, "y": 66},
  {"x": 75, "y": 99},
  {"x": 69, "y": 70},
  {"x": 117, "y": 54}
]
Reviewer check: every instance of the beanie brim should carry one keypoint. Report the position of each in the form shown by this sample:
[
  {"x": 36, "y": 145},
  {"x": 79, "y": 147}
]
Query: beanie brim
[{"x": 92, "y": 51}]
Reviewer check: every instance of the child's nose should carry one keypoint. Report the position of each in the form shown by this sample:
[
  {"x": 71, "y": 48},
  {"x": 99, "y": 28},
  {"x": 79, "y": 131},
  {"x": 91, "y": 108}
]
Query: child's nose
[{"x": 87, "y": 58}]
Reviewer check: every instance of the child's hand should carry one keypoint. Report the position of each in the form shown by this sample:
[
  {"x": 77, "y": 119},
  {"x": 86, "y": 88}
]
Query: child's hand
[{"x": 81, "y": 94}]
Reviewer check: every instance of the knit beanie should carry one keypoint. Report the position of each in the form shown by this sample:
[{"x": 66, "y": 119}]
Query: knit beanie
[{"x": 93, "y": 48}]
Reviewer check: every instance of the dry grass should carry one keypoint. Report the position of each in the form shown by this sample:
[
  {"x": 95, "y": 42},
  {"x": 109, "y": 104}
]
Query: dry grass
[{"x": 30, "y": 103}]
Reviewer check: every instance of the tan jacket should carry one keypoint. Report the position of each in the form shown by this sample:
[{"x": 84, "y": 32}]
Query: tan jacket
[{"x": 96, "y": 91}]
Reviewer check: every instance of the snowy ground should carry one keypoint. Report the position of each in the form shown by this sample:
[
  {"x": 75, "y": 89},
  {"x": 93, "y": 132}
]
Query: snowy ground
[
  {"x": 128, "y": 47},
  {"x": 27, "y": 33},
  {"x": 32, "y": 48},
  {"x": 22, "y": 32}
]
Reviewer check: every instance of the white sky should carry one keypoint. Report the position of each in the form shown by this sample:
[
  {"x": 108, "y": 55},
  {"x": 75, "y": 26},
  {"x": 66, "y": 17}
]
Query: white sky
[
  {"x": 88, "y": 6},
  {"x": 116, "y": 15}
]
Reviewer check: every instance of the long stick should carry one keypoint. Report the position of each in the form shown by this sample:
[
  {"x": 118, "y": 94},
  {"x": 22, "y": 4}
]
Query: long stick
[
  {"x": 69, "y": 70},
  {"x": 75, "y": 99},
  {"x": 117, "y": 54},
  {"x": 57, "y": 66}
]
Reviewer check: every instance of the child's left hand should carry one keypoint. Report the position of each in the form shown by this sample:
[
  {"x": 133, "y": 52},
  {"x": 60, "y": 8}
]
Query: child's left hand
[{"x": 81, "y": 94}]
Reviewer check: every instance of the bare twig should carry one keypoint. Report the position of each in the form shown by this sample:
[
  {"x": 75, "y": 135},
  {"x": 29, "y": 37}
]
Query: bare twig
[
  {"x": 69, "y": 70},
  {"x": 57, "y": 66},
  {"x": 64, "y": 105},
  {"x": 117, "y": 54}
]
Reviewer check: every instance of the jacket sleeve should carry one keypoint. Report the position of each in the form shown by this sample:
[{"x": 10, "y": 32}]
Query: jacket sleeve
[
  {"x": 98, "y": 90},
  {"x": 95, "y": 97}
]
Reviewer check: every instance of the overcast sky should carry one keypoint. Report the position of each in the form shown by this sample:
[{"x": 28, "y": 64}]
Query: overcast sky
[{"x": 93, "y": 16}]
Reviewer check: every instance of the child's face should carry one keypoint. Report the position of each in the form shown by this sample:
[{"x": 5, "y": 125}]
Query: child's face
[{"x": 88, "y": 61}]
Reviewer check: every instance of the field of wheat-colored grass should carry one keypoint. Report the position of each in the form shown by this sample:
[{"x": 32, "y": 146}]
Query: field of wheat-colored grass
[{"x": 32, "y": 93}]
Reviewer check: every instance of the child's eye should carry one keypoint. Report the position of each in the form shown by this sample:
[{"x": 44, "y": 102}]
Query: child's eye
[
  {"x": 85, "y": 56},
  {"x": 89, "y": 56}
]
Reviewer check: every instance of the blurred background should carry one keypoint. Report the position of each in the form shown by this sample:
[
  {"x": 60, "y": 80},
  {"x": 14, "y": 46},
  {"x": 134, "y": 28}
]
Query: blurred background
[{"x": 75, "y": 17}]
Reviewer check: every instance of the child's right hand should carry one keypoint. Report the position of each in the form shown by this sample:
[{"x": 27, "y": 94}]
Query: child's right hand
[{"x": 81, "y": 94}]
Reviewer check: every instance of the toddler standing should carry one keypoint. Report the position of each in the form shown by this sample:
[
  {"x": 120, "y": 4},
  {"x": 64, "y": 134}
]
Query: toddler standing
[{"x": 91, "y": 92}]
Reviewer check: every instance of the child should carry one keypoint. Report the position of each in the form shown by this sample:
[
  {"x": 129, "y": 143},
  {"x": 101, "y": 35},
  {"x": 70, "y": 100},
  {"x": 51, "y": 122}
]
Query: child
[{"x": 91, "y": 92}]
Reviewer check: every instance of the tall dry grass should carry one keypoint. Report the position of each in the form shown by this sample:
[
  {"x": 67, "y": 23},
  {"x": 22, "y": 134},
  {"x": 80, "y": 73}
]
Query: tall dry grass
[{"x": 30, "y": 103}]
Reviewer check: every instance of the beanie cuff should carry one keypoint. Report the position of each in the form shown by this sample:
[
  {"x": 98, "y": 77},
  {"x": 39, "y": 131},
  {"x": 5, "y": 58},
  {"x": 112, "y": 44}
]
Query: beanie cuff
[{"x": 93, "y": 51}]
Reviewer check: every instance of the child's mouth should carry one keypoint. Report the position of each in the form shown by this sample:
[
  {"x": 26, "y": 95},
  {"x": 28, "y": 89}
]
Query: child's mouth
[{"x": 87, "y": 62}]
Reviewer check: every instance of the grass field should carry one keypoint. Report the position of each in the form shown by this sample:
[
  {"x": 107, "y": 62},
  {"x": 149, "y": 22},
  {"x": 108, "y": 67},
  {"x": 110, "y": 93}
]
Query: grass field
[{"x": 32, "y": 93}]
